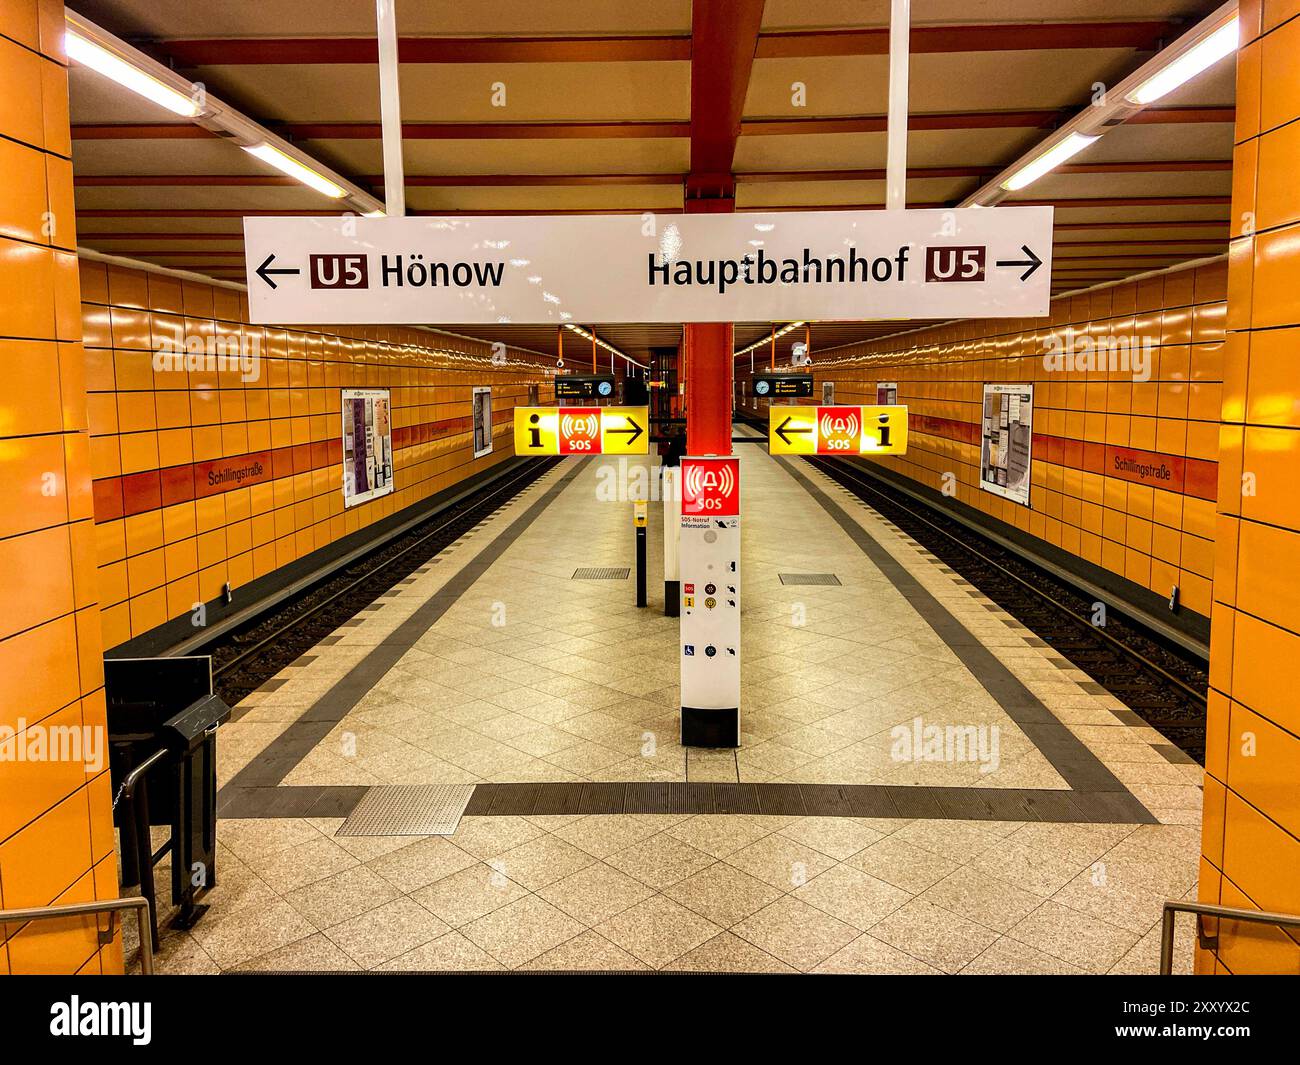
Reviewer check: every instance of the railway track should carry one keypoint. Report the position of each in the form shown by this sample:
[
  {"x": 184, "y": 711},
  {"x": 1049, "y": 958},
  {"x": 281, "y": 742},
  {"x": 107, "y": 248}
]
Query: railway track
[
  {"x": 246, "y": 658},
  {"x": 1163, "y": 684}
]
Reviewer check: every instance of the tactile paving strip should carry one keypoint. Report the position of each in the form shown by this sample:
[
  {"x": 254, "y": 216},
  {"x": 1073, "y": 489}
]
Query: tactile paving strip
[
  {"x": 601, "y": 573},
  {"x": 809, "y": 578},
  {"x": 408, "y": 810}
]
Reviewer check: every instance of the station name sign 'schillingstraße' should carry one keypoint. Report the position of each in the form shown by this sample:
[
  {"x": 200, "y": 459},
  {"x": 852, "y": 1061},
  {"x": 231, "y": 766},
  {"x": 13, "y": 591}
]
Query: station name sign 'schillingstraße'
[{"x": 777, "y": 266}]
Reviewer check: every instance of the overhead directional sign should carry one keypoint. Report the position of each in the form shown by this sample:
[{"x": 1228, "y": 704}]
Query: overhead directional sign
[
  {"x": 584, "y": 385},
  {"x": 752, "y": 266},
  {"x": 582, "y": 430},
  {"x": 783, "y": 385},
  {"x": 837, "y": 430}
]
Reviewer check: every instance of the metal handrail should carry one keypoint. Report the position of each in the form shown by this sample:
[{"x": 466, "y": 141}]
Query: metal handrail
[
  {"x": 79, "y": 909},
  {"x": 1209, "y": 909}
]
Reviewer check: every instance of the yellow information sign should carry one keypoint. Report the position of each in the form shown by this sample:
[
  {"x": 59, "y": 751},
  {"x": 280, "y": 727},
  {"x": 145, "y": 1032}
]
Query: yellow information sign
[
  {"x": 836, "y": 430},
  {"x": 582, "y": 430}
]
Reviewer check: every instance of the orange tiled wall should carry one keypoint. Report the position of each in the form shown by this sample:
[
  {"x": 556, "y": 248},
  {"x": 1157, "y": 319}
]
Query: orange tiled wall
[
  {"x": 1251, "y": 840},
  {"x": 56, "y": 842},
  {"x": 1155, "y": 534},
  {"x": 166, "y": 538}
]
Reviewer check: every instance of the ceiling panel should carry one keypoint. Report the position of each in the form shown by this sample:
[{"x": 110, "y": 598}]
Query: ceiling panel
[
  {"x": 1117, "y": 225},
  {"x": 334, "y": 18}
]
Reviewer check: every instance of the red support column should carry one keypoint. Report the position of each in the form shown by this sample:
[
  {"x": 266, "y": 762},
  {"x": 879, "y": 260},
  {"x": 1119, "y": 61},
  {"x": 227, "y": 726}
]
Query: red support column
[
  {"x": 708, "y": 387},
  {"x": 724, "y": 37}
]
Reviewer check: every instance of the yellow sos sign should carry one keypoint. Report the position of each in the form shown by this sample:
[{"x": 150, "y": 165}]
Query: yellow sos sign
[
  {"x": 582, "y": 430},
  {"x": 836, "y": 430}
]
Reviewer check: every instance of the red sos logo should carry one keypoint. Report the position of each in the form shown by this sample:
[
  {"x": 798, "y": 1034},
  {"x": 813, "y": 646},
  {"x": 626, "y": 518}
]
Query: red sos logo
[
  {"x": 838, "y": 430},
  {"x": 579, "y": 430},
  {"x": 711, "y": 486}
]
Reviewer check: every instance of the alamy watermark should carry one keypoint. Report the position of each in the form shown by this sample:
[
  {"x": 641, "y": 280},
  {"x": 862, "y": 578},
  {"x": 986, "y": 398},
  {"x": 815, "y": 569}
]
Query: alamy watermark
[
  {"x": 1080, "y": 352},
  {"x": 22, "y": 742},
  {"x": 222, "y": 352},
  {"x": 919, "y": 742}
]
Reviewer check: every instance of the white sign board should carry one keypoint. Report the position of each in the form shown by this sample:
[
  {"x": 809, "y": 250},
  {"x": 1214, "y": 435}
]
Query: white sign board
[
  {"x": 1006, "y": 441},
  {"x": 482, "y": 422},
  {"x": 367, "y": 445},
  {"x": 755, "y": 266}
]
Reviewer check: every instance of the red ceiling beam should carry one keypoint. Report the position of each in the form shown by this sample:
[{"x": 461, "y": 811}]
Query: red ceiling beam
[
  {"x": 1163, "y": 116},
  {"x": 1000, "y": 37},
  {"x": 1039, "y": 119},
  {"x": 1186, "y": 223},
  {"x": 605, "y": 180},
  {"x": 724, "y": 35},
  {"x": 782, "y": 126},
  {"x": 1149, "y": 166},
  {"x": 1120, "y": 242},
  {"x": 121, "y": 180},
  {"x": 526, "y": 180},
  {"x": 487, "y": 130},
  {"x": 191, "y": 212},
  {"x": 1064, "y": 202},
  {"x": 282, "y": 51},
  {"x": 150, "y": 131},
  {"x": 206, "y": 253},
  {"x": 1102, "y": 257},
  {"x": 83, "y": 235},
  {"x": 997, "y": 37}
]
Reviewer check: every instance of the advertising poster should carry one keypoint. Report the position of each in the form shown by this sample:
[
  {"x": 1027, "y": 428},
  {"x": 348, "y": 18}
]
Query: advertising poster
[
  {"x": 367, "y": 444},
  {"x": 1006, "y": 440},
  {"x": 886, "y": 393},
  {"x": 482, "y": 422}
]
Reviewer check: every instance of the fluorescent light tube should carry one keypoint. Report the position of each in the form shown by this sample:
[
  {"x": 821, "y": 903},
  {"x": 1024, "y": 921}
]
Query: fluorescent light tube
[
  {"x": 1049, "y": 160},
  {"x": 101, "y": 60},
  {"x": 298, "y": 171},
  {"x": 1203, "y": 55}
]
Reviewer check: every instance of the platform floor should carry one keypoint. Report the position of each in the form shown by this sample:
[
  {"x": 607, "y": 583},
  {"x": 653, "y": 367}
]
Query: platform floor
[{"x": 1049, "y": 852}]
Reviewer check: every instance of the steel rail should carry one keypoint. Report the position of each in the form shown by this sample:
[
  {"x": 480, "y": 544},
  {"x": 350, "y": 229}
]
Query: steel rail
[{"x": 1118, "y": 644}]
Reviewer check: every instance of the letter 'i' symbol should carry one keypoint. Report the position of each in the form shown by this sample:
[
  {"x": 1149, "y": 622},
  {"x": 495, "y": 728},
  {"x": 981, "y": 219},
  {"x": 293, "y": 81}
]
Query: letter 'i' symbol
[
  {"x": 884, "y": 430},
  {"x": 534, "y": 433}
]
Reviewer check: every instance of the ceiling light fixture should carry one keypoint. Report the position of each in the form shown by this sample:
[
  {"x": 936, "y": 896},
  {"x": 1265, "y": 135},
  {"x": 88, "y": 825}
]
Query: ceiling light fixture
[
  {"x": 299, "y": 171},
  {"x": 126, "y": 74},
  {"x": 768, "y": 339},
  {"x": 1200, "y": 57},
  {"x": 602, "y": 344},
  {"x": 1049, "y": 160},
  {"x": 1211, "y": 39}
]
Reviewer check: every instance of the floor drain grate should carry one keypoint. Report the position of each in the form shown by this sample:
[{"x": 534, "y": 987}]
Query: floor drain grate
[
  {"x": 408, "y": 810},
  {"x": 601, "y": 573},
  {"x": 809, "y": 578}
]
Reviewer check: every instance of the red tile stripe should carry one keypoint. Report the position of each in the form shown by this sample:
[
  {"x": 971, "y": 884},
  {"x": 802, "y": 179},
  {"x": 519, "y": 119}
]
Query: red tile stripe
[
  {"x": 1173, "y": 473},
  {"x": 136, "y": 493}
]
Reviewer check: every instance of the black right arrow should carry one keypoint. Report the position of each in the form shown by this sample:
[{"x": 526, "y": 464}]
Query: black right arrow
[
  {"x": 635, "y": 431},
  {"x": 784, "y": 427},
  {"x": 265, "y": 274},
  {"x": 1033, "y": 262}
]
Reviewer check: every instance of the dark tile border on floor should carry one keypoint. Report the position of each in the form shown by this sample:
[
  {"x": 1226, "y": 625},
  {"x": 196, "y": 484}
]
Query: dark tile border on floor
[
  {"x": 1069, "y": 756},
  {"x": 267, "y": 769},
  {"x": 791, "y": 800},
  {"x": 1097, "y": 796}
]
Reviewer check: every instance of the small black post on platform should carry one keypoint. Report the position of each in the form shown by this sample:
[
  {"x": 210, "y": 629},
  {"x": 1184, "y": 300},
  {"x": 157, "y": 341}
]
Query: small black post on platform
[{"x": 640, "y": 518}]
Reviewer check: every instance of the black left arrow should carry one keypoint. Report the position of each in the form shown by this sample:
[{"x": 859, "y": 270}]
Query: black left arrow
[
  {"x": 635, "y": 430},
  {"x": 1033, "y": 262},
  {"x": 784, "y": 428},
  {"x": 264, "y": 271}
]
